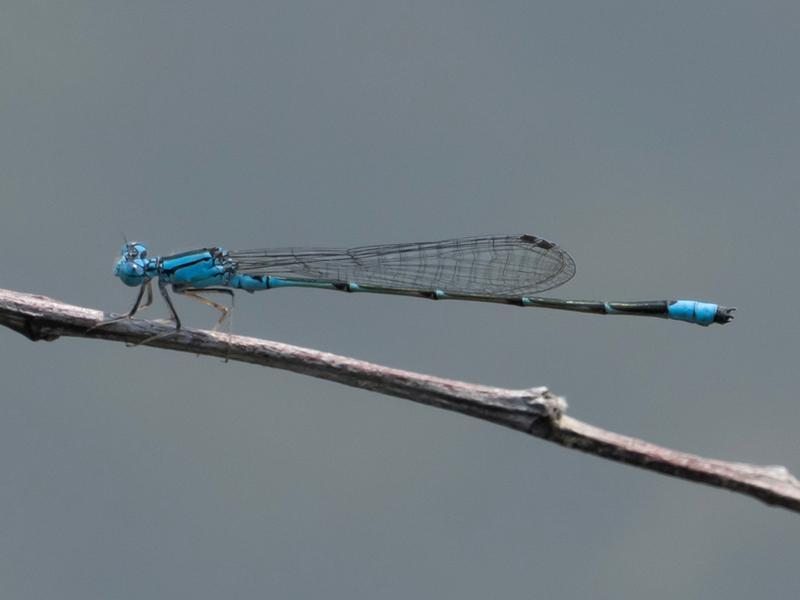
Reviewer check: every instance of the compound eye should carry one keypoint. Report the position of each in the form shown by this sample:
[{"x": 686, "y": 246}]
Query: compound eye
[
  {"x": 131, "y": 269},
  {"x": 130, "y": 272}
]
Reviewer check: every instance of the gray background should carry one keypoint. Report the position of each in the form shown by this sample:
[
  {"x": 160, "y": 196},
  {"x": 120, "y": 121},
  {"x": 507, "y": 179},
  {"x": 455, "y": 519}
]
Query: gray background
[{"x": 657, "y": 142}]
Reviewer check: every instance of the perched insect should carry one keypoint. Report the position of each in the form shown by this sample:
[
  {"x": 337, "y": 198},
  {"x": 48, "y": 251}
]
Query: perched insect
[{"x": 506, "y": 269}]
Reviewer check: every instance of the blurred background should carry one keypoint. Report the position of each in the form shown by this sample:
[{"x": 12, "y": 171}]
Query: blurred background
[{"x": 657, "y": 143}]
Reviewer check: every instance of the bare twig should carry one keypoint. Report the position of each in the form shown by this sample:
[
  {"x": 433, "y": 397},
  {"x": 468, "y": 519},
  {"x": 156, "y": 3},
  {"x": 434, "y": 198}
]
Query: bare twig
[{"x": 536, "y": 411}]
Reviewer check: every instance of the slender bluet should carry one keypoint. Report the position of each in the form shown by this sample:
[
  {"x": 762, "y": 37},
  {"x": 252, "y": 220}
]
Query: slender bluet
[{"x": 506, "y": 269}]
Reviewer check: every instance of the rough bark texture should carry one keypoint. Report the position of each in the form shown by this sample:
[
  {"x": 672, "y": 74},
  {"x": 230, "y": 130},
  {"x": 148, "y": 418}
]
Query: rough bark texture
[{"x": 536, "y": 411}]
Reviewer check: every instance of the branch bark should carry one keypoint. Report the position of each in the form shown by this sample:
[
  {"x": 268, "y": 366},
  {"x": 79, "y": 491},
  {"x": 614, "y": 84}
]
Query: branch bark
[{"x": 535, "y": 411}]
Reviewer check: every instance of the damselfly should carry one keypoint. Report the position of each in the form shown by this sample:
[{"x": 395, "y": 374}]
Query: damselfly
[{"x": 506, "y": 269}]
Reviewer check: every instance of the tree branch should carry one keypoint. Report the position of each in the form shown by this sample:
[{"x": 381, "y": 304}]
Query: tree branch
[{"x": 535, "y": 411}]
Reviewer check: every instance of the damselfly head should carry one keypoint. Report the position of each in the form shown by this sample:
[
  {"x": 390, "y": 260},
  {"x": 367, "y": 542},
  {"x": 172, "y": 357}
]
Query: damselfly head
[
  {"x": 133, "y": 265},
  {"x": 133, "y": 250}
]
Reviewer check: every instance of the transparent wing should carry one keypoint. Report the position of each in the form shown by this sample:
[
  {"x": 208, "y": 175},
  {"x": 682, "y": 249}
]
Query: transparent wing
[{"x": 493, "y": 265}]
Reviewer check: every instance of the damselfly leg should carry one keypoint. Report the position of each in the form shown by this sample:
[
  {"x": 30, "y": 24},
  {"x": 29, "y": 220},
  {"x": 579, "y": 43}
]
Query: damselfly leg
[
  {"x": 194, "y": 294},
  {"x": 138, "y": 306},
  {"x": 162, "y": 287}
]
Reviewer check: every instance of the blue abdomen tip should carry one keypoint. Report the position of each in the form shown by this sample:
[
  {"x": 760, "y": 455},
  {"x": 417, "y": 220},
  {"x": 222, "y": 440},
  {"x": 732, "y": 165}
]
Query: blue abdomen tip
[{"x": 691, "y": 311}]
